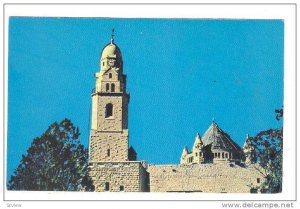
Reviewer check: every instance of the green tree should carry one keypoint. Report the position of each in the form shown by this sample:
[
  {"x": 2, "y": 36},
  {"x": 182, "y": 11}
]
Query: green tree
[
  {"x": 268, "y": 147},
  {"x": 55, "y": 161}
]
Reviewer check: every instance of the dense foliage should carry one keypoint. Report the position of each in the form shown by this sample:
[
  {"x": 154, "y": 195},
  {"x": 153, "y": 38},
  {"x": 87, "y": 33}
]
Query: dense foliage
[
  {"x": 55, "y": 161},
  {"x": 268, "y": 148}
]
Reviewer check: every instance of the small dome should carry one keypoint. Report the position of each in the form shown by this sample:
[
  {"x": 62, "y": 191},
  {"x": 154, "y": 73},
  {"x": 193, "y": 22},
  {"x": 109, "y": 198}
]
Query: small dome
[
  {"x": 111, "y": 57},
  {"x": 111, "y": 50}
]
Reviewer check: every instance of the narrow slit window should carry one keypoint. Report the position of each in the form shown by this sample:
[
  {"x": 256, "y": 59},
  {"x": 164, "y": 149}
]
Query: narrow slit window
[
  {"x": 106, "y": 188},
  {"x": 121, "y": 188},
  {"x": 108, "y": 152},
  {"x": 112, "y": 87}
]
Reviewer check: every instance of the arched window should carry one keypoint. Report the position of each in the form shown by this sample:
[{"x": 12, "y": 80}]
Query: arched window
[
  {"x": 112, "y": 87},
  {"x": 107, "y": 87},
  {"x": 219, "y": 155},
  {"x": 108, "y": 110},
  {"x": 222, "y": 154},
  {"x": 109, "y": 75}
]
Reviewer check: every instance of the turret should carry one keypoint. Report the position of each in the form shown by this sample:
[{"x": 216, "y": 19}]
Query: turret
[
  {"x": 183, "y": 155},
  {"x": 249, "y": 151},
  {"x": 198, "y": 144},
  {"x": 197, "y": 150}
]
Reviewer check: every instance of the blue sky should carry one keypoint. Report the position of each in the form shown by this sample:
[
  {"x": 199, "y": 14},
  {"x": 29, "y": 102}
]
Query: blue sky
[{"x": 181, "y": 73}]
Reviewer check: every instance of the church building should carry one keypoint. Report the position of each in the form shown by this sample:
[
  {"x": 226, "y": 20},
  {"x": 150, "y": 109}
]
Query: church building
[
  {"x": 215, "y": 146},
  {"x": 214, "y": 164}
]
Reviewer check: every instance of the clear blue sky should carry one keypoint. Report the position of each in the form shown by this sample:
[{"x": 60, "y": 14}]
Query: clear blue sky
[{"x": 180, "y": 75}]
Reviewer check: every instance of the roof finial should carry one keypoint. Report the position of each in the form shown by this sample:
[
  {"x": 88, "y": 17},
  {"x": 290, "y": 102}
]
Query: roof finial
[
  {"x": 112, "y": 36},
  {"x": 213, "y": 119}
]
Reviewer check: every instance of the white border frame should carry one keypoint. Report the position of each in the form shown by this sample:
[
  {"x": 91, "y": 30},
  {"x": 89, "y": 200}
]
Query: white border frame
[{"x": 286, "y": 12}]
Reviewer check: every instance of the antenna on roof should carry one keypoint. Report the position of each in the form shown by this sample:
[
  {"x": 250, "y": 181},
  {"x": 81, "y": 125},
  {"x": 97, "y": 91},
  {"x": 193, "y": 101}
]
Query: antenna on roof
[{"x": 112, "y": 36}]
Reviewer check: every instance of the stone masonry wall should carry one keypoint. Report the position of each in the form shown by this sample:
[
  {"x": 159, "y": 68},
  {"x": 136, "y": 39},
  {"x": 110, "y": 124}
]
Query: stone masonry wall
[
  {"x": 203, "y": 178},
  {"x": 114, "y": 123},
  {"x": 116, "y": 142},
  {"x": 132, "y": 176}
]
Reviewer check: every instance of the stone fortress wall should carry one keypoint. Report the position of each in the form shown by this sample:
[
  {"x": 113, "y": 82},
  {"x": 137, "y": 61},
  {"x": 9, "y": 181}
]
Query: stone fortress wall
[
  {"x": 127, "y": 176},
  {"x": 116, "y": 143},
  {"x": 137, "y": 176},
  {"x": 221, "y": 177}
]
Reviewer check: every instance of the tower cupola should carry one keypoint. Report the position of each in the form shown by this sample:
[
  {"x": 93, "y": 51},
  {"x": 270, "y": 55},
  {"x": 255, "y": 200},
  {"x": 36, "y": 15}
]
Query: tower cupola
[{"x": 111, "y": 56}]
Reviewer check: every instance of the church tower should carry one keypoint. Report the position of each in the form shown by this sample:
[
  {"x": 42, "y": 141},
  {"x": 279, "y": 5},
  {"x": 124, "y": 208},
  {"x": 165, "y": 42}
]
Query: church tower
[
  {"x": 113, "y": 166},
  {"x": 109, "y": 124}
]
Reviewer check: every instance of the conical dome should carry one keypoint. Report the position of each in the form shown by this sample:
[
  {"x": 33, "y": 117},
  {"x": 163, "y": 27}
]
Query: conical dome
[{"x": 219, "y": 139}]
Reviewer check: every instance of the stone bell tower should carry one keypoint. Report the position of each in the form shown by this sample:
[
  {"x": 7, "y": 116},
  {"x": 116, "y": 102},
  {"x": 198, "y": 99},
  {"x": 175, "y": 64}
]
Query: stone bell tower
[
  {"x": 113, "y": 166},
  {"x": 109, "y": 125}
]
